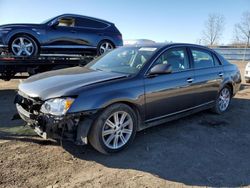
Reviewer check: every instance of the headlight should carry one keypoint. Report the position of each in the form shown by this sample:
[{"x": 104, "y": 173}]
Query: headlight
[{"x": 57, "y": 107}]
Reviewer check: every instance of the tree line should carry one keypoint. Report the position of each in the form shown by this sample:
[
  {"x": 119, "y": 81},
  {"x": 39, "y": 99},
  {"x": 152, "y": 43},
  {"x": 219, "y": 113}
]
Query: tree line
[{"x": 215, "y": 25}]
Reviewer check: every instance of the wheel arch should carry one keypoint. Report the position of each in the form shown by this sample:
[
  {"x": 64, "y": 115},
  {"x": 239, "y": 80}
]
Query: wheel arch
[
  {"x": 13, "y": 36},
  {"x": 230, "y": 86},
  {"x": 134, "y": 107},
  {"x": 108, "y": 40}
]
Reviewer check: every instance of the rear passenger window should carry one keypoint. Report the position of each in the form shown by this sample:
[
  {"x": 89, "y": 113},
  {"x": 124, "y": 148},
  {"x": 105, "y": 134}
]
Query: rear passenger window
[
  {"x": 202, "y": 59},
  {"x": 84, "y": 22}
]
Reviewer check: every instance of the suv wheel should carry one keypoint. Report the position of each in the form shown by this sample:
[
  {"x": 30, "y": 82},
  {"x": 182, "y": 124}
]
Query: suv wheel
[
  {"x": 104, "y": 47},
  {"x": 114, "y": 129},
  {"x": 223, "y": 100},
  {"x": 24, "y": 45}
]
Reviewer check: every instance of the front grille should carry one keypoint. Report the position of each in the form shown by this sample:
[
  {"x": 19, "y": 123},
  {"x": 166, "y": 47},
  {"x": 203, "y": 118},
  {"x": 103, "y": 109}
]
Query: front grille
[{"x": 31, "y": 105}]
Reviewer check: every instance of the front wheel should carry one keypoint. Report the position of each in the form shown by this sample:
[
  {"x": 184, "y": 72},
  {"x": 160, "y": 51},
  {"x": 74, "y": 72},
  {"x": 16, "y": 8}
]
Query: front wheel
[
  {"x": 223, "y": 100},
  {"x": 114, "y": 129},
  {"x": 24, "y": 45}
]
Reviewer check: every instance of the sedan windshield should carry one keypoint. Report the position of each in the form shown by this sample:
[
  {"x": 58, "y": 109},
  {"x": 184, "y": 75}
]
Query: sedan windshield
[{"x": 127, "y": 60}]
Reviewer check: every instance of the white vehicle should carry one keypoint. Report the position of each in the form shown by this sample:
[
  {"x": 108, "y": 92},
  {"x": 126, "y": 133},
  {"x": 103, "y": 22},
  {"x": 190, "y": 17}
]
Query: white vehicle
[{"x": 247, "y": 73}]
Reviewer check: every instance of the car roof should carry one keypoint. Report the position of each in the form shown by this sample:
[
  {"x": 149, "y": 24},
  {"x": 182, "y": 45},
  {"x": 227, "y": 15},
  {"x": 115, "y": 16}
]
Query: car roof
[
  {"x": 88, "y": 17},
  {"x": 166, "y": 45}
]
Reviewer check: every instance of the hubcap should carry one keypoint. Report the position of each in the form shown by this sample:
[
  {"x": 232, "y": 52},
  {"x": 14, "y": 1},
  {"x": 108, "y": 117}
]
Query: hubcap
[
  {"x": 224, "y": 99},
  {"x": 117, "y": 130},
  {"x": 105, "y": 47},
  {"x": 22, "y": 46}
]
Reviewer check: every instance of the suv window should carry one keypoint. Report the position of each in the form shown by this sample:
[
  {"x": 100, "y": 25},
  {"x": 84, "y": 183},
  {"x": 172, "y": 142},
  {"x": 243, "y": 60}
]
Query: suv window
[
  {"x": 176, "y": 57},
  {"x": 84, "y": 22},
  {"x": 66, "y": 22},
  {"x": 202, "y": 59}
]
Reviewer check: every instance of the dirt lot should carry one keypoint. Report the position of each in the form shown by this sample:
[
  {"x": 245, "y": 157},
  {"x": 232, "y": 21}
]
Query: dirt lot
[{"x": 201, "y": 150}]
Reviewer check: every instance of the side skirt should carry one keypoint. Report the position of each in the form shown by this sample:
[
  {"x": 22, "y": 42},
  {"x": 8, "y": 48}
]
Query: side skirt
[{"x": 177, "y": 115}]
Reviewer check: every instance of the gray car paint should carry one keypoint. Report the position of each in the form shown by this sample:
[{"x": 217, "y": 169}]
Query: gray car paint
[{"x": 153, "y": 98}]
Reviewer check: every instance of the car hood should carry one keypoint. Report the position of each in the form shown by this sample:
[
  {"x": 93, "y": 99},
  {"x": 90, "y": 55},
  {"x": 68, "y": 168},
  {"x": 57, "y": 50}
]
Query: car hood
[
  {"x": 64, "y": 82},
  {"x": 19, "y": 25}
]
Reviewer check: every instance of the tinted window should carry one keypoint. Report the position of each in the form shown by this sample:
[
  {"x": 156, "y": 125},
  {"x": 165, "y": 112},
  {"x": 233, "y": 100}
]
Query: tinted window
[
  {"x": 202, "y": 59},
  {"x": 82, "y": 22},
  {"x": 66, "y": 22},
  {"x": 176, "y": 57}
]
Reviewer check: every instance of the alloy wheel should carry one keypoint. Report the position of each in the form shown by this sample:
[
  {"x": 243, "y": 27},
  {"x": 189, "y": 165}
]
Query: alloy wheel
[
  {"x": 224, "y": 99},
  {"x": 105, "y": 47},
  {"x": 22, "y": 46},
  {"x": 117, "y": 130}
]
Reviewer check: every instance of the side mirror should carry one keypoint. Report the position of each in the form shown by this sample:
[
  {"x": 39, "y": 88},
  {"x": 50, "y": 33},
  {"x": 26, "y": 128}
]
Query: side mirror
[
  {"x": 160, "y": 69},
  {"x": 54, "y": 23}
]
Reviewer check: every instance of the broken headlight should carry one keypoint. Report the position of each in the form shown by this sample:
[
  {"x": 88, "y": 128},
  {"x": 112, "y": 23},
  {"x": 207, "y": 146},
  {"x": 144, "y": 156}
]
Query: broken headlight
[{"x": 57, "y": 107}]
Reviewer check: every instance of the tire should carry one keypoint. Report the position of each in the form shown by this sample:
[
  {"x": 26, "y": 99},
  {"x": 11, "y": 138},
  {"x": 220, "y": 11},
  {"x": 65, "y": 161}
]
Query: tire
[
  {"x": 224, "y": 96},
  {"x": 106, "y": 139},
  {"x": 104, "y": 47},
  {"x": 24, "y": 45}
]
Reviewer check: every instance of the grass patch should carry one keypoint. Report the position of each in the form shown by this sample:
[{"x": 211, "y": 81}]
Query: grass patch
[{"x": 17, "y": 130}]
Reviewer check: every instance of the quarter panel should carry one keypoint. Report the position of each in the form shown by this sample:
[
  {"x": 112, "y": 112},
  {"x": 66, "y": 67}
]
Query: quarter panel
[{"x": 232, "y": 76}]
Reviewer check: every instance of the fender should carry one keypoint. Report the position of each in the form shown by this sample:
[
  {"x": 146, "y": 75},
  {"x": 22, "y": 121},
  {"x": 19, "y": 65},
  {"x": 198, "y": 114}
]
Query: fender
[
  {"x": 36, "y": 33},
  {"x": 100, "y": 98}
]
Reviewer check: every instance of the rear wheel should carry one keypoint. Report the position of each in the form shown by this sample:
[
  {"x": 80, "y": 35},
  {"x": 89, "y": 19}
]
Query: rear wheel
[
  {"x": 223, "y": 100},
  {"x": 114, "y": 129},
  {"x": 24, "y": 45},
  {"x": 104, "y": 47}
]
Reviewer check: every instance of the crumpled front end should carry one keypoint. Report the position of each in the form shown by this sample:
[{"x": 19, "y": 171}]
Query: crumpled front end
[{"x": 72, "y": 127}]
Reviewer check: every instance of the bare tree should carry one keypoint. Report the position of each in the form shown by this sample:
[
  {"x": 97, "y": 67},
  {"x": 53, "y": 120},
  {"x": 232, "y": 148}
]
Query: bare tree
[
  {"x": 213, "y": 30},
  {"x": 242, "y": 30}
]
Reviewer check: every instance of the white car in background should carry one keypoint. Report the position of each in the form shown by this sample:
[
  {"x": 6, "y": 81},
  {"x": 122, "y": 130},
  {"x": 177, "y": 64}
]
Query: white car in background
[{"x": 247, "y": 73}]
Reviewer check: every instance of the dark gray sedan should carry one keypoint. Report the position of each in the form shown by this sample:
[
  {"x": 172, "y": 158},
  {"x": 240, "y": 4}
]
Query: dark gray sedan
[{"x": 125, "y": 91}]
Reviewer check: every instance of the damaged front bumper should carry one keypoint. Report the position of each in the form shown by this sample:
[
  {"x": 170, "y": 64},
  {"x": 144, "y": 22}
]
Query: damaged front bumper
[{"x": 72, "y": 127}]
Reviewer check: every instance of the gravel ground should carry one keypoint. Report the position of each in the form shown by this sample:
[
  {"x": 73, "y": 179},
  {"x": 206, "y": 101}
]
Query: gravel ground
[{"x": 200, "y": 150}]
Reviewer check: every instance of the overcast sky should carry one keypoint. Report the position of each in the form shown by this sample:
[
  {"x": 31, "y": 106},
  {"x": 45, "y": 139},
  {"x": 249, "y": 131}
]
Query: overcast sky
[{"x": 159, "y": 20}]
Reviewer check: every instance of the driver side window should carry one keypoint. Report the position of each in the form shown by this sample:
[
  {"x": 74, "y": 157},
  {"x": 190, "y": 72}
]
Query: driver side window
[
  {"x": 176, "y": 57},
  {"x": 66, "y": 22}
]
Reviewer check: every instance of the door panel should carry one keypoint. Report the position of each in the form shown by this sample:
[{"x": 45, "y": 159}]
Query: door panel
[
  {"x": 166, "y": 94},
  {"x": 208, "y": 75},
  {"x": 65, "y": 34},
  {"x": 169, "y": 93},
  {"x": 207, "y": 82},
  {"x": 88, "y": 32}
]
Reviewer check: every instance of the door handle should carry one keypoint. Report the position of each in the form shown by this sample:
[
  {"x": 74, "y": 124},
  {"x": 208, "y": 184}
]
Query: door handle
[
  {"x": 73, "y": 31},
  {"x": 190, "y": 80},
  {"x": 221, "y": 74}
]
